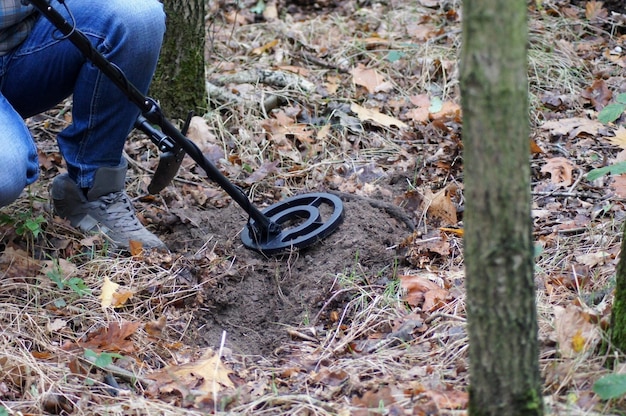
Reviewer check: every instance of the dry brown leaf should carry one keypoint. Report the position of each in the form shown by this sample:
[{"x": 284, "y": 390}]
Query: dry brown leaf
[
  {"x": 18, "y": 263},
  {"x": 594, "y": 259},
  {"x": 435, "y": 299},
  {"x": 208, "y": 375},
  {"x": 440, "y": 205},
  {"x": 618, "y": 185},
  {"x": 135, "y": 247},
  {"x": 449, "y": 109},
  {"x": 108, "y": 289},
  {"x": 573, "y": 127},
  {"x": 111, "y": 338},
  {"x": 264, "y": 48},
  {"x": 449, "y": 399},
  {"x": 560, "y": 170},
  {"x": 366, "y": 114},
  {"x": 619, "y": 139},
  {"x": 595, "y": 10},
  {"x": 573, "y": 328},
  {"x": 155, "y": 328},
  {"x": 534, "y": 148},
  {"x": 416, "y": 287},
  {"x": 598, "y": 94},
  {"x": 367, "y": 77}
]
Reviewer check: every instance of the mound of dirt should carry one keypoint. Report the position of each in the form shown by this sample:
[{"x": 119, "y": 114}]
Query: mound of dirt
[{"x": 257, "y": 297}]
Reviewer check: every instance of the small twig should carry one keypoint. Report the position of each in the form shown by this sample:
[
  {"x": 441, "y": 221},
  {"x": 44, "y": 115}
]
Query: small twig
[
  {"x": 565, "y": 194},
  {"x": 580, "y": 177},
  {"x": 443, "y": 315},
  {"x": 298, "y": 334}
]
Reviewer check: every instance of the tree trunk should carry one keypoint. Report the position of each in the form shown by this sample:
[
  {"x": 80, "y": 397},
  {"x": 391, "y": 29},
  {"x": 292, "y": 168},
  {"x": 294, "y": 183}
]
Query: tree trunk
[
  {"x": 502, "y": 318},
  {"x": 179, "y": 82},
  {"x": 618, "y": 313}
]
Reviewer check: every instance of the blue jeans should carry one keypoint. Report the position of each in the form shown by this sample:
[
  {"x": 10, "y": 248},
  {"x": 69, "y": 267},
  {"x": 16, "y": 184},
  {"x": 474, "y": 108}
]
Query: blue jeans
[{"x": 44, "y": 70}]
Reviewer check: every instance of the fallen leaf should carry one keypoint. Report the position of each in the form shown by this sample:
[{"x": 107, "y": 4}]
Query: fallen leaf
[
  {"x": 598, "y": 94},
  {"x": 449, "y": 399},
  {"x": 367, "y": 77},
  {"x": 17, "y": 263},
  {"x": 572, "y": 127},
  {"x": 534, "y": 148},
  {"x": 208, "y": 375},
  {"x": 618, "y": 185},
  {"x": 456, "y": 231},
  {"x": 434, "y": 299},
  {"x": 619, "y": 139},
  {"x": 366, "y": 114},
  {"x": 573, "y": 327},
  {"x": 56, "y": 325},
  {"x": 560, "y": 170},
  {"x": 264, "y": 48},
  {"x": 440, "y": 205},
  {"x": 261, "y": 173},
  {"x": 416, "y": 287},
  {"x": 155, "y": 328},
  {"x": 111, "y": 338},
  {"x": 108, "y": 289},
  {"x": 594, "y": 10},
  {"x": 135, "y": 248},
  {"x": 593, "y": 259}
]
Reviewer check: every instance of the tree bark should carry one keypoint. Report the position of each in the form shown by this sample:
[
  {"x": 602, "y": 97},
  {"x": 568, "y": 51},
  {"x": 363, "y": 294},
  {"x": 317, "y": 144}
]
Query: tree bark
[
  {"x": 618, "y": 313},
  {"x": 502, "y": 318},
  {"x": 179, "y": 82}
]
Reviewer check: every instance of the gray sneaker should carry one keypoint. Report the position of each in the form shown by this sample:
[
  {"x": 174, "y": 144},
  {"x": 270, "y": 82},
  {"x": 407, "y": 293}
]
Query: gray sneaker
[{"x": 106, "y": 209}]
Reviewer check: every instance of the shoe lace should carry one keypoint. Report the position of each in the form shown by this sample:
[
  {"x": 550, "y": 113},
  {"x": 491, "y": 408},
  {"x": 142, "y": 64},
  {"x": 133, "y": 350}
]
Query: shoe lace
[{"x": 120, "y": 211}]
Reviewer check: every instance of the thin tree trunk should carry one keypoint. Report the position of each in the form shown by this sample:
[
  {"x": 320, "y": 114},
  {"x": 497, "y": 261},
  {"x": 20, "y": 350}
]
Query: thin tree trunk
[
  {"x": 502, "y": 321},
  {"x": 618, "y": 313},
  {"x": 179, "y": 82}
]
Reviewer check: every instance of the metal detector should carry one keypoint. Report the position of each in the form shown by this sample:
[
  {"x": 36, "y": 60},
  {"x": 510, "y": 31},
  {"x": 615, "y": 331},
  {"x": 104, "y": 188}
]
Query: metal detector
[{"x": 296, "y": 222}]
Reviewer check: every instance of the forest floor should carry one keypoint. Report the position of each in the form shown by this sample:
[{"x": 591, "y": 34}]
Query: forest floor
[{"x": 361, "y": 99}]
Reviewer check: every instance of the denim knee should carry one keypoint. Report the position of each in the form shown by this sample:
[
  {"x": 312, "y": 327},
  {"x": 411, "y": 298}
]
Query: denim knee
[
  {"x": 14, "y": 180},
  {"x": 138, "y": 23},
  {"x": 19, "y": 163}
]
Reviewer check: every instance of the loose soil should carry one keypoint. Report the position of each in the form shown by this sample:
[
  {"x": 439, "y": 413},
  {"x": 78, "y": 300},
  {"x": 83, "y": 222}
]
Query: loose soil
[{"x": 257, "y": 297}]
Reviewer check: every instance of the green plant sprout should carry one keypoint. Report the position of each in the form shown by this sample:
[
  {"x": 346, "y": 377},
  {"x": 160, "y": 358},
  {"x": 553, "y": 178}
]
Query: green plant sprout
[
  {"x": 76, "y": 284},
  {"x": 609, "y": 114},
  {"x": 101, "y": 360}
]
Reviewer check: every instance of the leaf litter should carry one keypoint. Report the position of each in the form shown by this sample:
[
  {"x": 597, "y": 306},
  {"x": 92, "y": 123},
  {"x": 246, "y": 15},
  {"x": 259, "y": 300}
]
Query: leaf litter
[{"x": 360, "y": 99}]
